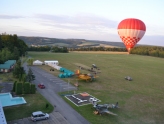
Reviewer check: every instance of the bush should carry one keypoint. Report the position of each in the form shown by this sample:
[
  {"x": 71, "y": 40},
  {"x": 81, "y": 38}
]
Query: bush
[
  {"x": 24, "y": 78},
  {"x": 14, "y": 86},
  {"x": 18, "y": 88},
  {"x": 26, "y": 88},
  {"x": 33, "y": 89}
]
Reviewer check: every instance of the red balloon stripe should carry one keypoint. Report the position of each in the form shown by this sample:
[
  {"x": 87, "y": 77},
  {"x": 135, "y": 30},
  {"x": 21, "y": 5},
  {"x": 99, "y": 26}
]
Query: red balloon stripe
[{"x": 132, "y": 23}]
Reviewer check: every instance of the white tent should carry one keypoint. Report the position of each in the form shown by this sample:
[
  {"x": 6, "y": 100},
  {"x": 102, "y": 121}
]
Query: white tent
[
  {"x": 37, "y": 62},
  {"x": 55, "y": 66}
]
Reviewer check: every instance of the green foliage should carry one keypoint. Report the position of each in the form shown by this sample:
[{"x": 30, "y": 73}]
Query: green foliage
[
  {"x": 18, "y": 70},
  {"x": 40, "y": 48},
  {"x": 15, "y": 54},
  {"x": 30, "y": 76},
  {"x": 27, "y": 88},
  {"x": 14, "y": 86},
  {"x": 148, "y": 51},
  {"x": 5, "y": 55},
  {"x": 20, "y": 77},
  {"x": 57, "y": 49},
  {"x": 88, "y": 48},
  {"x": 16, "y": 46},
  {"x": 24, "y": 78},
  {"x": 47, "y": 105},
  {"x": 47, "y": 48},
  {"x": 18, "y": 88},
  {"x": 30, "y": 61},
  {"x": 33, "y": 89}
]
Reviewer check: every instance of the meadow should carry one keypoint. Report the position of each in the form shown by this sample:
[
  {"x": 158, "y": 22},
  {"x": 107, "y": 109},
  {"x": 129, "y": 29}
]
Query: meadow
[{"x": 140, "y": 100}]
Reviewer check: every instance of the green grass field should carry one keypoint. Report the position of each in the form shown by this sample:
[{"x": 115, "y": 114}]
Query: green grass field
[
  {"x": 35, "y": 102},
  {"x": 140, "y": 101}
]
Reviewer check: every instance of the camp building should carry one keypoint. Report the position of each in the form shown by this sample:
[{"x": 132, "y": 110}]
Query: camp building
[{"x": 7, "y": 66}]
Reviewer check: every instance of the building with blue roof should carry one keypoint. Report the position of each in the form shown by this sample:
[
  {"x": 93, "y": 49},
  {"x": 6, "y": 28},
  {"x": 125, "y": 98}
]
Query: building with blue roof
[{"x": 7, "y": 66}]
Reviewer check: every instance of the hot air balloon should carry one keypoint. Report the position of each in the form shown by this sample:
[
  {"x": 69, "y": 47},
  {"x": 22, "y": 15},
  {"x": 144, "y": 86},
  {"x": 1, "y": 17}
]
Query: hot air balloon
[{"x": 131, "y": 31}]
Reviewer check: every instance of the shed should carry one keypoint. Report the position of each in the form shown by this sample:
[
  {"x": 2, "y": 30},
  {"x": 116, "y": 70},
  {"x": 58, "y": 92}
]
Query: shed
[
  {"x": 55, "y": 62},
  {"x": 37, "y": 62},
  {"x": 11, "y": 62},
  {"x": 5, "y": 67}
]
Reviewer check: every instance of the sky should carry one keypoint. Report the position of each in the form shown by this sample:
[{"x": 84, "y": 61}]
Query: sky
[{"x": 81, "y": 19}]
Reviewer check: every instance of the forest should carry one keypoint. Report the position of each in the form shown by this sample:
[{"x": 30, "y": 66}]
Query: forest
[{"x": 11, "y": 47}]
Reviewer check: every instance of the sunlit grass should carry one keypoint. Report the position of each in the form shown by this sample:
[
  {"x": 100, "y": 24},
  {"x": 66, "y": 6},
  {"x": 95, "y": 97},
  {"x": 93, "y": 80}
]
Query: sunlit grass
[
  {"x": 140, "y": 100},
  {"x": 35, "y": 102}
]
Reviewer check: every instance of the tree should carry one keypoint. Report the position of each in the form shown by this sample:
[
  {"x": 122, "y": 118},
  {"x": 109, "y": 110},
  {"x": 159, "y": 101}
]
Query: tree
[
  {"x": 30, "y": 75},
  {"x": 12, "y": 41},
  {"x": 15, "y": 54},
  {"x": 5, "y": 55},
  {"x": 30, "y": 61},
  {"x": 18, "y": 70}
]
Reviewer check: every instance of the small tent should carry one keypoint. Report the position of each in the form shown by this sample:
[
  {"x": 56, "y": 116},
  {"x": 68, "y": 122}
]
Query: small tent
[{"x": 37, "y": 62}]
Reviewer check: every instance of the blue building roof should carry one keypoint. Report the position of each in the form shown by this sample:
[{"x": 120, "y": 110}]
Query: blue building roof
[
  {"x": 7, "y": 64},
  {"x": 12, "y": 62}
]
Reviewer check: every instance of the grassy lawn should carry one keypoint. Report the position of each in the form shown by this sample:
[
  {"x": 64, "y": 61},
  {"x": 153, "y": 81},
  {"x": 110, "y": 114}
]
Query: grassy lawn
[
  {"x": 35, "y": 102},
  {"x": 140, "y": 100}
]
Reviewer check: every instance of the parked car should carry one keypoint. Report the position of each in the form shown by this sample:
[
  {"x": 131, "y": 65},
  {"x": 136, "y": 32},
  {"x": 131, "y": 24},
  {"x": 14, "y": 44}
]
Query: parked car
[
  {"x": 39, "y": 115},
  {"x": 41, "y": 86}
]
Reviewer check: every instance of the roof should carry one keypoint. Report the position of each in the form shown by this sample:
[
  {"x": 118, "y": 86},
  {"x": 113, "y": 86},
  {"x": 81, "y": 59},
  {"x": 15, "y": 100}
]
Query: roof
[
  {"x": 51, "y": 61},
  {"x": 5, "y": 66},
  {"x": 11, "y": 62},
  {"x": 37, "y": 112}
]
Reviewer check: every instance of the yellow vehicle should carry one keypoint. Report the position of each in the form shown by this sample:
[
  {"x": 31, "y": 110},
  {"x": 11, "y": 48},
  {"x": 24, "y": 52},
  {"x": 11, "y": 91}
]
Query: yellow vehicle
[{"x": 86, "y": 77}]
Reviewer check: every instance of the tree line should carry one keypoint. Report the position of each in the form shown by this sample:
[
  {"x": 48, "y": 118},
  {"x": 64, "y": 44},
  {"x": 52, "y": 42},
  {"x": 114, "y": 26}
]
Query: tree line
[
  {"x": 11, "y": 48},
  {"x": 148, "y": 51},
  {"x": 98, "y": 49},
  {"x": 55, "y": 49}
]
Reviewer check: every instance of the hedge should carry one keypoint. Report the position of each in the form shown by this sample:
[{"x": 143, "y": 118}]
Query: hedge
[
  {"x": 26, "y": 88},
  {"x": 33, "y": 89},
  {"x": 14, "y": 86},
  {"x": 18, "y": 88}
]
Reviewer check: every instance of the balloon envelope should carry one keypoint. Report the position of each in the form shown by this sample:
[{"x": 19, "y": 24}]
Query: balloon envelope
[{"x": 131, "y": 31}]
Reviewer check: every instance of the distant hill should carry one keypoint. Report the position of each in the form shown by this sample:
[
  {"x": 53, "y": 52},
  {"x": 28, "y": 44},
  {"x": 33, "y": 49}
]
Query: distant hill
[{"x": 44, "y": 41}]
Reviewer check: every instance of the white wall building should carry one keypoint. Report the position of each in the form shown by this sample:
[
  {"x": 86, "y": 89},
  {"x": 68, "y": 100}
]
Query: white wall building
[{"x": 47, "y": 62}]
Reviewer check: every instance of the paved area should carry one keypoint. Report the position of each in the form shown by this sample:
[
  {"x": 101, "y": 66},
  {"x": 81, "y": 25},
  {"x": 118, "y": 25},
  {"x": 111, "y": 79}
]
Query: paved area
[
  {"x": 53, "y": 86},
  {"x": 7, "y": 87},
  {"x": 55, "y": 118},
  {"x": 63, "y": 113}
]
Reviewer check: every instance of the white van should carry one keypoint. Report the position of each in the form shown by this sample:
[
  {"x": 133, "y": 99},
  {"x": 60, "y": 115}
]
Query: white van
[{"x": 39, "y": 116}]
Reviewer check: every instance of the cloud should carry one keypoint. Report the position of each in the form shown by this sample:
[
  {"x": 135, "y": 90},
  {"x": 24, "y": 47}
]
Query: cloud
[
  {"x": 78, "y": 22},
  {"x": 10, "y": 17}
]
